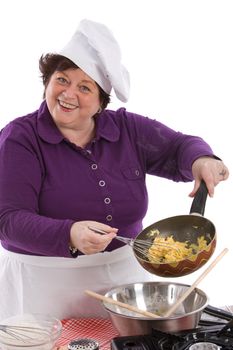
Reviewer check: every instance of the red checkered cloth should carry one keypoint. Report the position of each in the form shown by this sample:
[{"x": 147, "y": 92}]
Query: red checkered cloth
[{"x": 101, "y": 330}]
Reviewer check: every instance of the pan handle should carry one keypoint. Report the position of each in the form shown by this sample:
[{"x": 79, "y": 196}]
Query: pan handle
[{"x": 198, "y": 204}]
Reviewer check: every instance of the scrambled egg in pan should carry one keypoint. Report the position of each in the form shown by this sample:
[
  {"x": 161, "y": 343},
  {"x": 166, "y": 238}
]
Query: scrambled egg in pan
[{"x": 167, "y": 250}]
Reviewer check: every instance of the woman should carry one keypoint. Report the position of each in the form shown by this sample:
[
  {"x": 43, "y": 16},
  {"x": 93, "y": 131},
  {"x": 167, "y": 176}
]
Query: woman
[{"x": 72, "y": 165}]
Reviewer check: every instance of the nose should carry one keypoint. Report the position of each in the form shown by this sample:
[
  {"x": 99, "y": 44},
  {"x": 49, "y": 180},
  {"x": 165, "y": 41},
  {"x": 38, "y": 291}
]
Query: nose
[{"x": 70, "y": 92}]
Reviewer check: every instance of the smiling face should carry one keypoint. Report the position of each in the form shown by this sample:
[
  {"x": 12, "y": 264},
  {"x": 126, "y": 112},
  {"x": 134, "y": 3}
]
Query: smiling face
[{"x": 72, "y": 98}]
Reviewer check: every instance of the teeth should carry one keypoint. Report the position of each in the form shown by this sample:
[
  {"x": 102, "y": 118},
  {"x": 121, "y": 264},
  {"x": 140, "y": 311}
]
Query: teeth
[{"x": 67, "y": 105}]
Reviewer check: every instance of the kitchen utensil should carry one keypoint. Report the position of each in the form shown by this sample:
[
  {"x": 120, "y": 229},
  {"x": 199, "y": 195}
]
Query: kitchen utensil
[
  {"x": 183, "y": 228},
  {"x": 83, "y": 344},
  {"x": 23, "y": 333},
  {"x": 155, "y": 297},
  {"x": 170, "y": 311},
  {"x": 30, "y": 331},
  {"x": 119, "y": 303},
  {"x": 141, "y": 246},
  {"x": 204, "y": 346}
]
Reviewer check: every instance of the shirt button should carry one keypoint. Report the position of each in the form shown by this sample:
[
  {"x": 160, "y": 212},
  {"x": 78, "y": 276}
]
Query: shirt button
[
  {"x": 137, "y": 172},
  {"x": 102, "y": 183},
  {"x": 107, "y": 200},
  {"x": 94, "y": 166},
  {"x": 109, "y": 217}
]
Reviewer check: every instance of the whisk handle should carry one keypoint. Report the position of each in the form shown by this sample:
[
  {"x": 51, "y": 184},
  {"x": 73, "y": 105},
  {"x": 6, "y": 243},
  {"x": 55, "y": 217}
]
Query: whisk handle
[
  {"x": 97, "y": 230},
  {"x": 125, "y": 240}
]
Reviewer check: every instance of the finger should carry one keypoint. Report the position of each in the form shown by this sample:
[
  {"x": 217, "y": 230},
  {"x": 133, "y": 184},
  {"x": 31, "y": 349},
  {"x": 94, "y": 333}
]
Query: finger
[
  {"x": 109, "y": 229},
  {"x": 195, "y": 188},
  {"x": 102, "y": 229},
  {"x": 224, "y": 173},
  {"x": 210, "y": 187},
  {"x": 95, "y": 248},
  {"x": 97, "y": 243}
]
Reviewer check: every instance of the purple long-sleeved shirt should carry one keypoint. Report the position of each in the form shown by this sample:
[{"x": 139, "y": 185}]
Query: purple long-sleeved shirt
[{"x": 47, "y": 183}]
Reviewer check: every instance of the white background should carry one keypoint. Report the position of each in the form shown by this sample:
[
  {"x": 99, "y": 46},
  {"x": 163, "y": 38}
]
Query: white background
[{"x": 179, "y": 54}]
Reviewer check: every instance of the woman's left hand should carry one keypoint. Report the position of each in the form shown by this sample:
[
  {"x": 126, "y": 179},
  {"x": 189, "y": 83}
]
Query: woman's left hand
[{"x": 209, "y": 169}]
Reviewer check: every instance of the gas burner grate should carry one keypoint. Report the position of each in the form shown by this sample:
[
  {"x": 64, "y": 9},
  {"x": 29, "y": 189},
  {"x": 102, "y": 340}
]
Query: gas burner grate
[
  {"x": 224, "y": 339},
  {"x": 171, "y": 342},
  {"x": 219, "y": 332}
]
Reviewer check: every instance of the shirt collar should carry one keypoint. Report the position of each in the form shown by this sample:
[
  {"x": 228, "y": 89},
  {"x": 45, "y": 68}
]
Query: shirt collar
[{"x": 105, "y": 126}]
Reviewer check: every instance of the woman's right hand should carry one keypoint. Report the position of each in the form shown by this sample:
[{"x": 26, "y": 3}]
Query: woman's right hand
[{"x": 87, "y": 241}]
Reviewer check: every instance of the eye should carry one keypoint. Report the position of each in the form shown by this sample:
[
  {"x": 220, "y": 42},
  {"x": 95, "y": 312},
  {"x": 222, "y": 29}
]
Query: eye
[
  {"x": 62, "y": 80},
  {"x": 84, "y": 88}
]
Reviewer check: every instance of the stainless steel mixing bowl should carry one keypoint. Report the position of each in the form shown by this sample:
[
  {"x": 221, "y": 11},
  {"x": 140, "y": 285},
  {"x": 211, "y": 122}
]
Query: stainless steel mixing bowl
[{"x": 155, "y": 297}]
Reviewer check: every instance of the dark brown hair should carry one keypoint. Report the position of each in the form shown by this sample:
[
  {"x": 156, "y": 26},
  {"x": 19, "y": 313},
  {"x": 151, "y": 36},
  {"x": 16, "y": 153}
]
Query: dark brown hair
[{"x": 50, "y": 63}]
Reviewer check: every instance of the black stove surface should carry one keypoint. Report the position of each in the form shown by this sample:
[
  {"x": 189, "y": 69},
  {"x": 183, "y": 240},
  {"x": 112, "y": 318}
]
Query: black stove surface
[{"x": 219, "y": 332}]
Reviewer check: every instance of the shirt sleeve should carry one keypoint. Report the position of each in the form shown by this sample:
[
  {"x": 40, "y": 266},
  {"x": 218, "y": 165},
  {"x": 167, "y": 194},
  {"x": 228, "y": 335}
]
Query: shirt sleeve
[
  {"x": 21, "y": 177},
  {"x": 165, "y": 152}
]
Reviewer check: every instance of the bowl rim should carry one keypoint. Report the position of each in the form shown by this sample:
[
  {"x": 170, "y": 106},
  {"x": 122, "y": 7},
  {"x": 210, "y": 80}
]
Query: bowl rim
[{"x": 141, "y": 317}]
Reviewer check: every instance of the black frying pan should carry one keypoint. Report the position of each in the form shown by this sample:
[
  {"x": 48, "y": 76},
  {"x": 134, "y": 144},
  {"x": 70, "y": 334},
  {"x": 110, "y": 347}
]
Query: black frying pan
[{"x": 183, "y": 228}]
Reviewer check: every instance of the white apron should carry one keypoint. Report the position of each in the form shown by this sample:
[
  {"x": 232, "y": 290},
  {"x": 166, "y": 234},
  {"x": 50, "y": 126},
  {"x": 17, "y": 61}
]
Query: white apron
[{"x": 55, "y": 286}]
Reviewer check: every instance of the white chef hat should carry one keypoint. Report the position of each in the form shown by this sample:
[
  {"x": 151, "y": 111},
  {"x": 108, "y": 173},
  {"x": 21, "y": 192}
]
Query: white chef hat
[{"x": 94, "y": 49}]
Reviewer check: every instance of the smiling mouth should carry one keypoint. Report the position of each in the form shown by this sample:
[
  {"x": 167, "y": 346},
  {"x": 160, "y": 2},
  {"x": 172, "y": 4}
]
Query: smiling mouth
[{"x": 67, "y": 105}]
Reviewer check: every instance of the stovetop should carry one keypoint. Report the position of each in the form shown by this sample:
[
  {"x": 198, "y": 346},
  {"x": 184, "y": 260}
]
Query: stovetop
[{"x": 215, "y": 327}]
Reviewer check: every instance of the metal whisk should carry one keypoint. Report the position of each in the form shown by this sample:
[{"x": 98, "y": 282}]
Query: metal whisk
[
  {"x": 139, "y": 245},
  {"x": 30, "y": 330},
  {"x": 25, "y": 334}
]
